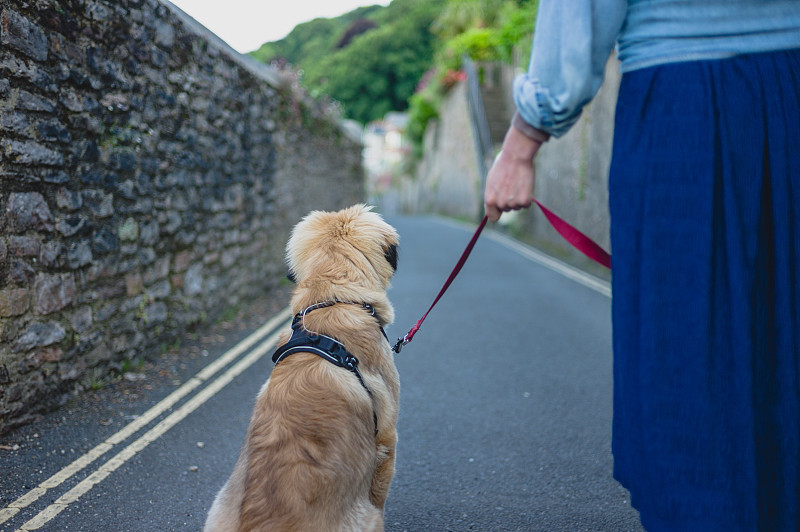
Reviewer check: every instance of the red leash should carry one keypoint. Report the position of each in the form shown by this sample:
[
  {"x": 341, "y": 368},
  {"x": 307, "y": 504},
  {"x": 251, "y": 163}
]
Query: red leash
[
  {"x": 410, "y": 335},
  {"x": 581, "y": 242}
]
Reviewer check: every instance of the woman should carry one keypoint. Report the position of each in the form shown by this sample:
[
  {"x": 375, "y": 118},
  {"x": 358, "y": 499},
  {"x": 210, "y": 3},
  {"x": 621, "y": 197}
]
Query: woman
[{"x": 705, "y": 233}]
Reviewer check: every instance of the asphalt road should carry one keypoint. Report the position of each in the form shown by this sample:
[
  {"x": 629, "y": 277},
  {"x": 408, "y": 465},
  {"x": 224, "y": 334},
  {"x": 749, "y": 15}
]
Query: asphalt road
[{"x": 505, "y": 421}]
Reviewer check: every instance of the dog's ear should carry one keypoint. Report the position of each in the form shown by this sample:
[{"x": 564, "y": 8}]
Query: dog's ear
[
  {"x": 290, "y": 275},
  {"x": 391, "y": 256}
]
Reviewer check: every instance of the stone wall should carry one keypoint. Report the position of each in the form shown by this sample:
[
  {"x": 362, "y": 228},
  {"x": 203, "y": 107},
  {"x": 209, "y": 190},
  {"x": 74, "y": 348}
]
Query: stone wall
[
  {"x": 446, "y": 180},
  {"x": 149, "y": 177}
]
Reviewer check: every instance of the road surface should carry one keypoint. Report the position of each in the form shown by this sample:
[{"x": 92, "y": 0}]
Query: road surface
[{"x": 505, "y": 420}]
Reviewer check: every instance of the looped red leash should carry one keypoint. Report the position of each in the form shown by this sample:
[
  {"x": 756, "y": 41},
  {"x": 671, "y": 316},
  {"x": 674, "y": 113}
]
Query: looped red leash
[{"x": 581, "y": 242}]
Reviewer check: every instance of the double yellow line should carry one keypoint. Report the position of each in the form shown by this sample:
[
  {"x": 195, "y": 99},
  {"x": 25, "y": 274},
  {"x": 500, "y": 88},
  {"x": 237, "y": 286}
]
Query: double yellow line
[{"x": 142, "y": 421}]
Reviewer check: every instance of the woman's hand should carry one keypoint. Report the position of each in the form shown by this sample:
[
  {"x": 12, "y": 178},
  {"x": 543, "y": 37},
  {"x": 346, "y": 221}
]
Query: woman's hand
[{"x": 510, "y": 181}]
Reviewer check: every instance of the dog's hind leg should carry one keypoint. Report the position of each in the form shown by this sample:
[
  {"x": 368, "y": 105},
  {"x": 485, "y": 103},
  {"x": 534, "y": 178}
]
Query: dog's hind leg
[{"x": 382, "y": 478}]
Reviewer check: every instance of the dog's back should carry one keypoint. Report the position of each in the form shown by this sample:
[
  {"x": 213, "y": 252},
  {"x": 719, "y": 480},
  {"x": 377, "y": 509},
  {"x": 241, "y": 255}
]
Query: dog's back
[
  {"x": 302, "y": 466},
  {"x": 309, "y": 435}
]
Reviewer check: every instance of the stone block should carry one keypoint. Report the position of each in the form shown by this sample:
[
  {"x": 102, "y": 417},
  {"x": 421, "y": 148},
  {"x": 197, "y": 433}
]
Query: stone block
[
  {"x": 126, "y": 189},
  {"x": 144, "y": 206},
  {"x": 97, "y": 11},
  {"x": 114, "y": 288},
  {"x": 39, "y": 335},
  {"x": 160, "y": 290},
  {"x": 3, "y": 250},
  {"x": 53, "y": 292},
  {"x": 21, "y": 34},
  {"x": 37, "y": 358},
  {"x": 123, "y": 160},
  {"x": 99, "y": 203},
  {"x": 15, "y": 392},
  {"x": 56, "y": 177},
  {"x": 20, "y": 272},
  {"x": 13, "y": 122},
  {"x": 28, "y": 210},
  {"x": 193, "y": 280},
  {"x": 182, "y": 261},
  {"x": 33, "y": 102},
  {"x": 155, "y": 313},
  {"x": 54, "y": 131},
  {"x": 29, "y": 152},
  {"x": 128, "y": 249},
  {"x": 81, "y": 319},
  {"x": 23, "y": 246},
  {"x": 230, "y": 257},
  {"x": 99, "y": 354},
  {"x": 147, "y": 256},
  {"x": 172, "y": 222},
  {"x": 79, "y": 254},
  {"x": 14, "y": 302},
  {"x": 129, "y": 230},
  {"x": 176, "y": 281},
  {"x": 149, "y": 233},
  {"x": 64, "y": 49},
  {"x": 165, "y": 34},
  {"x": 115, "y": 102},
  {"x": 133, "y": 284},
  {"x": 73, "y": 225},
  {"x": 71, "y": 372},
  {"x": 72, "y": 101},
  {"x": 52, "y": 254},
  {"x": 185, "y": 238},
  {"x": 104, "y": 242},
  {"x": 107, "y": 312},
  {"x": 68, "y": 200},
  {"x": 158, "y": 271}
]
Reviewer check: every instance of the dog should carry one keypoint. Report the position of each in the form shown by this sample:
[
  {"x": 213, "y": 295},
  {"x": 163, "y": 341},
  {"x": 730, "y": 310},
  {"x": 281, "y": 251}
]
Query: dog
[{"x": 319, "y": 452}]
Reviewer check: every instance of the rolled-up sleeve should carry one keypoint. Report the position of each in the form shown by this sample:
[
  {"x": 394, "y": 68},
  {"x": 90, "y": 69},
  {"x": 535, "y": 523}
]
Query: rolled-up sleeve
[{"x": 571, "y": 45}]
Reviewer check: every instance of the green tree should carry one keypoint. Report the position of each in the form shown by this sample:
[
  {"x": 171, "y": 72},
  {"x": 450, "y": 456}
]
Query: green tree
[
  {"x": 459, "y": 16},
  {"x": 378, "y": 70}
]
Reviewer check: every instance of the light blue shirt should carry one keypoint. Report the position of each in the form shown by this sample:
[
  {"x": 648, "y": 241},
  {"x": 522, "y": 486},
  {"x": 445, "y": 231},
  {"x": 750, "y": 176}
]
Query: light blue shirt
[{"x": 574, "y": 38}]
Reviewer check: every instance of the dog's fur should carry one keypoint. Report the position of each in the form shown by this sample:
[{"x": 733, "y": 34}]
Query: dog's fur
[{"x": 311, "y": 460}]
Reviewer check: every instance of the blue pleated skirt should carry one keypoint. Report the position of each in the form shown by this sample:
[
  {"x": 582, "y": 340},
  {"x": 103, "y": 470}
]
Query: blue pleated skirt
[{"x": 705, "y": 228}]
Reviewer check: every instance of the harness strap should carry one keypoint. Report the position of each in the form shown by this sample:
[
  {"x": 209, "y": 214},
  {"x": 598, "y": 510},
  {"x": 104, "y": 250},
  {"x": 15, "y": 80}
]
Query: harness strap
[{"x": 304, "y": 341}]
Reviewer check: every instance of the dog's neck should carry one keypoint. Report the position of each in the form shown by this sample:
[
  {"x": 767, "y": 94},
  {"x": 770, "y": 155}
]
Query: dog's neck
[{"x": 384, "y": 312}]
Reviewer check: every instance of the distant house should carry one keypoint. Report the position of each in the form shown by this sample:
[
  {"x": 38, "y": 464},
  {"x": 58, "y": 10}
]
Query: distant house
[{"x": 384, "y": 148}]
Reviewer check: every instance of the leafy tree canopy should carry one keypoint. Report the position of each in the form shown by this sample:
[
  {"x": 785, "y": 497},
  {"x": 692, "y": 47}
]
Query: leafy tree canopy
[
  {"x": 369, "y": 72},
  {"x": 372, "y": 59}
]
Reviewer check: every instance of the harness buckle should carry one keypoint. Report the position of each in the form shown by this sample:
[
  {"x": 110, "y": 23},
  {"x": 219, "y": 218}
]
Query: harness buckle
[{"x": 350, "y": 362}]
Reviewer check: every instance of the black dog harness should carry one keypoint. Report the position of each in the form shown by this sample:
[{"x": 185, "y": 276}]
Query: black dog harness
[{"x": 305, "y": 341}]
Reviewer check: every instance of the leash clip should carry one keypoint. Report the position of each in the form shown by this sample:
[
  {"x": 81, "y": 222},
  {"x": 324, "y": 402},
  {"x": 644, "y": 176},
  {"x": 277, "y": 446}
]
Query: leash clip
[{"x": 400, "y": 343}]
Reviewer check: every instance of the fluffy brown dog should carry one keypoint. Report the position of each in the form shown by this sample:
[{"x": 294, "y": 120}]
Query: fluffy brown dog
[{"x": 320, "y": 449}]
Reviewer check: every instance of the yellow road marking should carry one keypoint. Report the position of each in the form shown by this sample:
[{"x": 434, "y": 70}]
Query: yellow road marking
[
  {"x": 150, "y": 436},
  {"x": 134, "y": 426}
]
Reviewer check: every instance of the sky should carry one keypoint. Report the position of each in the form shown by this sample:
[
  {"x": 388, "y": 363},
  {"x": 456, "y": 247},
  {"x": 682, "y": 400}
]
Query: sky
[{"x": 247, "y": 24}]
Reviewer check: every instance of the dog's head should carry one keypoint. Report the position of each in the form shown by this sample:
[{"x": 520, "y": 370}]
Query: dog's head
[{"x": 338, "y": 252}]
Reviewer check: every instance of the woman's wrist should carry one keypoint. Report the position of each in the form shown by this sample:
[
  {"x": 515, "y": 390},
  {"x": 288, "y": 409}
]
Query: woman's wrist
[
  {"x": 520, "y": 146},
  {"x": 528, "y": 130}
]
